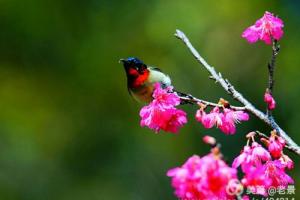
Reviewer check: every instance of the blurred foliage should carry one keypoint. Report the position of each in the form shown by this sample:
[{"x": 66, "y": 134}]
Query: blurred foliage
[{"x": 68, "y": 128}]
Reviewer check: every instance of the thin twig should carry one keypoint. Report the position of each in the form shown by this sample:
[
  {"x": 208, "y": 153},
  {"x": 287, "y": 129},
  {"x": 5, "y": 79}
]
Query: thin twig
[
  {"x": 271, "y": 64},
  {"x": 271, "y": 69},
  {"x": 194, "y": 100},
  {"x": 235, "y": 94}
]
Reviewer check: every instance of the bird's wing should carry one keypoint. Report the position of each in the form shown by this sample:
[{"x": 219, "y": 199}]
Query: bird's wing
[{"x": 156, "y": 75}]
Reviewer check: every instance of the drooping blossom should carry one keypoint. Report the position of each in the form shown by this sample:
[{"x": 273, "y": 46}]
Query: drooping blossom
[
  {"x": 244, "y": 159},
  {"x": 172, "y": 120},
  {"x": 259, "y": 153},
  {"x": 214, "y": 118},
  {"x": 256, "y": 181},
  {"x": 251, "y": 157},
  {"x": 161, "y": 113},
  {"x": 230, "y": 118},
  {"x": 275, "y": 145},
  {"x": 275, "y": 170},
  {"x": 164, "y": 97},
  {"x": 225, "y": 121},
  {"x": 270, "y": 174},
  {"x": 286, "y": 161},
  {"x": 235, "y": 116},
  {"x": 260, "y": 171},
  {"x": 185, "y": 179},
  {"x": 268, "y": 98},
  {"x": 202, "y": 178},
  {"x": 265, "y": 28}
]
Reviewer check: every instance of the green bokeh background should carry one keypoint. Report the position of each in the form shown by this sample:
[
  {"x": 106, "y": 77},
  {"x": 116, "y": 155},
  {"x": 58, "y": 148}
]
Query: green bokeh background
[{"x": 68, "y": 128}]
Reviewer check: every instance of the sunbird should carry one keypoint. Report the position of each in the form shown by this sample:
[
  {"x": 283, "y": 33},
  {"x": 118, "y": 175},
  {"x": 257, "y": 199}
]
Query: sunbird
[{"x": 141, "y": 79}]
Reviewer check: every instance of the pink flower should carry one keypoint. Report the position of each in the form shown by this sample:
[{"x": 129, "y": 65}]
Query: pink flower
[
  {"x": 202, "y": 178},
  {"x": 286, "y": 161},
  {"x": 264, "y": 29},
  {"x": 227, "y": 127},
  {"x": 235, "y": 116},
  {"x": 173, "y": 119},
  {"x": 251, "y": 157},
  {"x": 261, "y": 172},
  {"x": 231, "y": 117},
  {"x": 199, "y": 114},
  {"x": 185, "y": 179},
  {"x": 259, "y": 153},
  {"x": 274, "y": 170},
  {"x": 276, "y": 145},
  {"x": 256, "y": 181},
  {"x": 164, "y": 97},
  {"x": 224, "y": 121},
  {"x": 169, "y": 120},
  {"x": 161, "y": 113},
  {"x": 268, "y": 98},
  {"x": 243, "y": 158},
  {"x": 261, "y": 178},
  {"x": 211, "y": 119}
]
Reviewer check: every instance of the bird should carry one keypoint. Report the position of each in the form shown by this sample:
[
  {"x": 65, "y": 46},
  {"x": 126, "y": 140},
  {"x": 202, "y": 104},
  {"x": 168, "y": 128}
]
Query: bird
[{"x": 142, "y": 77}]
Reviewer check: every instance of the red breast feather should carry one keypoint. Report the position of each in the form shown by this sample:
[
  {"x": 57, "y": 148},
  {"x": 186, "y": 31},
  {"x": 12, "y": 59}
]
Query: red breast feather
[{"x": 136, "y": 78}]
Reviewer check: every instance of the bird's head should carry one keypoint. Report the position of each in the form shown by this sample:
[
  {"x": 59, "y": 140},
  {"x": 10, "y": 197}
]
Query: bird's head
[
  {"x": 136, "y": 71},
  {"x": 133, "y": 66}
]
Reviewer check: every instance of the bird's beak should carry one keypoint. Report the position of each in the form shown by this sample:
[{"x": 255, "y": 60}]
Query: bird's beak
[{"x": 122, "y": 60}]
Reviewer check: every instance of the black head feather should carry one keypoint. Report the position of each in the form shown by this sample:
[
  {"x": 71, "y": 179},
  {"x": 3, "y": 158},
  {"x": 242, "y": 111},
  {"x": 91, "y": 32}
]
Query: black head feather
[{"x": 133, "y": 62}]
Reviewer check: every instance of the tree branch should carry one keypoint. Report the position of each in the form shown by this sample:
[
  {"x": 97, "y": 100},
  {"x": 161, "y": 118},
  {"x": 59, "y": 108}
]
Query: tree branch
[{"x": 228, "y": 87}]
